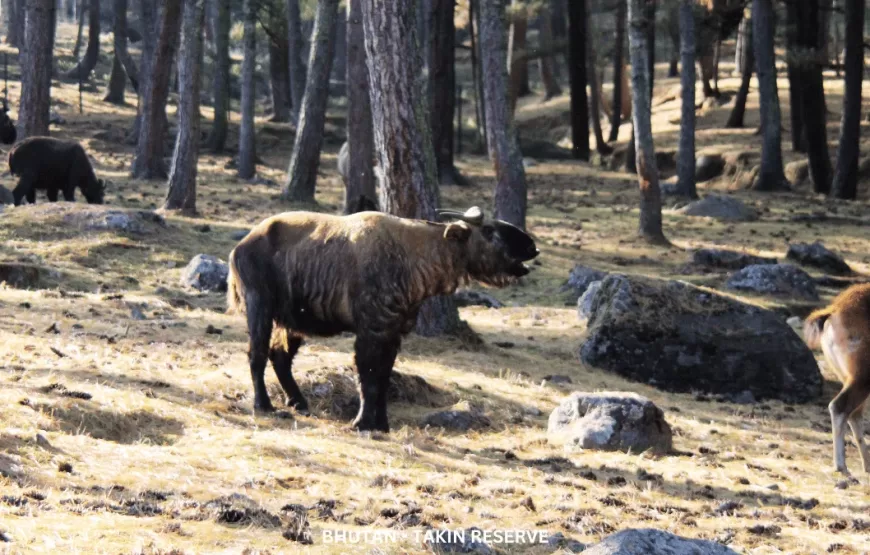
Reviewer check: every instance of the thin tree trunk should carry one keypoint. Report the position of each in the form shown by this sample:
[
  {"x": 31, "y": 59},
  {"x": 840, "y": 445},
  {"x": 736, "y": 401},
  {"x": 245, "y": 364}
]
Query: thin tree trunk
[
  {"x": 743, "y": 42},
  {"x": 618, "y": 69},
  {"x": 747, "y": 62},
  {"x": 639, "y": 24},
  {"x": 117, "y": 83},
  {"x": 360, "y": 186},
  {"x": 631, "y": 155},
  {"x": 150, "y": 31},
  {"x": 476, "y": 54},
  {"x": 82, "y": 71},
  {"x": 559, "y": 23},
  {"x": 547, "y": 63},
  {"x": 279, "y": 71},
  {"x": 339, "y": 51},
  {"x": 302, "y": 173},
  {"x": 674, "y": 32},
  {"x": 218, "y": 136},
  {"x": 247, "y": 144},
  {"x": 846, "y": 175},
  {"x": 77, "y": 48},
  {"x": 119, "y": 31},
  {"x": 516, "y": 50},
  {"x": 595, "y": 110},
  {"x": 577, "y": 73},
  {"x": 770, "y": 175},
  {"x": 795, "y": 90},
  {"x": 15, "y": 20},
  {"x": 442, "y": 88},
  {"x": 402, "y": 139},
  {"x": 296, "y": 45},
  {"x": 510, "y": 189},
  {"x": 149, "y": 162},
  {"x": 686, "y": 153},
  {"x": 182, "y": 178},
  {"x": 36, "y": 63}
]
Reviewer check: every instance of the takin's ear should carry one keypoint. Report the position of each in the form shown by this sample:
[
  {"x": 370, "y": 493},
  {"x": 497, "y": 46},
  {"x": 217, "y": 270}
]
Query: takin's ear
[{"x": 457, "y": 231}]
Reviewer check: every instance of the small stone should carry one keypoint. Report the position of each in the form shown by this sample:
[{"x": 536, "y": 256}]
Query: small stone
[
  {"x": 65, "y": 467},
  {"x": 203, "y": 228},
  {"x": 136, "y": 313},
  {"x": 205, "y": 273},
  {"x": 557, "y": 379},
  {"x": 721, "y": 208},
  {"x": 728, "y": 507},
  {"x": 42, "y": 441},
  {"x": 211, "y": 330},
  {"x": 779, "y": 279},
  {"x": 816, "y": 255}
]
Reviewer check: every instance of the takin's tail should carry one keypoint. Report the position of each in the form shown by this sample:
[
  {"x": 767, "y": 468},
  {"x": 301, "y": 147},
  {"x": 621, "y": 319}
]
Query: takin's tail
[
  {"x": 814, "y": 324},
  {"x": 235, "y": 293}
]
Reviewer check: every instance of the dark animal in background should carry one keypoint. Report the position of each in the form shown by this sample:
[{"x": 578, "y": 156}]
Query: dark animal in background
[
  {"x": 8, "y": 133},
  {"x": 53, "y": 165},
  {"x": 366, "y": 273}
]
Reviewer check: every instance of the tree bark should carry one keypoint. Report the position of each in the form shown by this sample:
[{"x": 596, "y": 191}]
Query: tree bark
[
  {"x": 547, "y": 63},
  {"x": 149, "y": 163},
  {"x": 119, "y": 31},
  {"x": 595, "y": 110},
  {"x": 504, "y": 151},
  {"x": 516, "y": 50},
  {"x": 686, "y": 152},
  {"x": 117, "y": 83},
  {"x": 339, "y": 50},
  {"x": 618, "y": 68},
  {"x": 182, "y": 177},
  {"x": 296, "y": 45},
  {"x": 650, "y": 15},
  {"x": 218, "y": 136},
  {"x": 36, "y": 63},
  {"x": 559, "y": 23},
  {"x": 302, "y": 173},
  {"x": 795, "y": 90},
  {"x": 639, "y": 24},
  {"x": 846, "y": 174},
  {"x": 82, "y": 70},
  {"x": 747, "y": 62},
  {"x": 577, "y": 73},
  {"x": 279, "y": 69},
  {"x": 743, "y": 43},
  {"x": 247, "y": 145},
  {"x": 402, "y": 140},
  {"x": 77, "y": 48},
  {"x": 360, "y": 135},
  {"x": 442, "y": 88},
  {"x": 150, "y": 31},
  {"x": 15, "y": 20},
  {"x": 673, "y": 27},
  {"x": 476, "y": 54},
  {"x": 770, "y": 175}
]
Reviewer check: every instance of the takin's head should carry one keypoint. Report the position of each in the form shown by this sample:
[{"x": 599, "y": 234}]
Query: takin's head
[
  {"x": 8, "y": 133},
  {"x": 496, "y": 250},
  {"x": 95, "y": 191}
]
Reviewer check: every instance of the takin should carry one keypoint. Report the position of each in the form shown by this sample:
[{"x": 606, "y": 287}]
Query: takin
[
  {"x": 53, "y": 165},
  {"x": 842, "y": 330},
  {"x": 8, "y": 133},
  {"x": 312, "y": 274}
]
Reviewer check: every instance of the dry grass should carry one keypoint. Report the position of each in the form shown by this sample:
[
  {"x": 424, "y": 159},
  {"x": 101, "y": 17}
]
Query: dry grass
[{"x": 131, "y": 436}]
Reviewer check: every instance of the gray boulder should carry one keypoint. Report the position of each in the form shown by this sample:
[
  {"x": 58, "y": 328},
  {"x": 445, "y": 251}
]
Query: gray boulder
[
  {"x": 721, "y": 208},
  {"x": 467, "y": 297},
  {"x": 708, "y": 167},
  {"x": 609, "y": 422},
  {"x": 205, "y": 273},
  {"x": 727, "y": 259},
  {"x": 817, "y": 255},
  {"x": 646, "y": 541},
  {"x": 580, "y": 278},
  {"x": 774, "y": 279},
  {"x": 461, "y": 417},
  {"x": 681, "y": 338}
]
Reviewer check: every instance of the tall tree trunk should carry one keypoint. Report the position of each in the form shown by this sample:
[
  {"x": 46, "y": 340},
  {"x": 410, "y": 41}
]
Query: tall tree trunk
[
  {"x": 339, "y": 51},
  {"x": 516, "y": 53},
  {"x": 747, "y": 63},
  {"x": 15, "y": 21},
  {"x": 117, "y": 83},
  {"x": 360, "y": 186},
  {"x": 795, "y": 90},
  {"x": 150, "y": 29},
  {"x": 673, "y": 26},
  {"x": 82, "y": 70},
  {"x": 510, "y": 189},
  {"x": 302, "y": 173},
  {"x": 149, "y": 162},
  {"x": 559, "y": 23},
  {"x": 846, "y": 175},
  {"x": 442, "y": 88},
  {"x": 618, "y": 69},
  {"x": 36, "y": 62},
  {"x": 119, "y": 31},
  {"x": 686, "y": 153},
  {"x": 218, "y": 136},
  {"x": 639, "y": 24},
  {"x": 182, "y": 178},
  {"x": 77, "y": 48},
  {"x": 743, "y": 43},
  {"x": 595, "y": 110},
  {"x": 402, "y": 139},
  {"x": 547, "y": 63},
  {"x": 476, "y": 54},
  {"x": 279, "y": 71},
  {"x": 631, "y": 155},
  {"x": 70, "y": 8},
  {"x": 770, "y": 175},
  {"x": 247, "y": 144},
  {"x": 296, "y": 44},
  {"x": 826, "y": 7},
  {"x": 577, "y": 72}
]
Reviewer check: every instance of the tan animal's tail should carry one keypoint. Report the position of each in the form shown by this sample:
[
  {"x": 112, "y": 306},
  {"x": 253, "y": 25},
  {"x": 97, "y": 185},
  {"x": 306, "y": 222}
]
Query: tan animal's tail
[
  {"x": 814, "y": 324},
  {"x": 235, "y": 295}
]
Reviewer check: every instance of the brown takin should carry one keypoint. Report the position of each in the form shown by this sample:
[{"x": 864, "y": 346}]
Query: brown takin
[
  {"x": 55, "y": 166},
  {"x": 842, "y": 330},
  {"x": 367, "y": 273}
]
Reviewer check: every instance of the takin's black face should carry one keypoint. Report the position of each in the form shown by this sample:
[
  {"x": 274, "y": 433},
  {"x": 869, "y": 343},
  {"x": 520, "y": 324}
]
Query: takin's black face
[
  {"x": 94, "y": 192},
  {"x": 496, "y": 250},
  {"x": 8, "y": 133}
]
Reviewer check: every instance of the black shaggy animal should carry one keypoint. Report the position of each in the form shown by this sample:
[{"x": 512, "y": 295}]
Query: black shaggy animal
[
  {"x": 53, "y": 165},
  {"x": 366, "y": 273},
  {"x": 8, "y": 133}
]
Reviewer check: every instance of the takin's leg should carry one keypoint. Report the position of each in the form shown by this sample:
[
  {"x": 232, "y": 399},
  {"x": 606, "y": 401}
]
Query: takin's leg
[
  {"x": 260, "y": 331},
  {"x": 69, "y": 193},
  {"x": 31, "y": 196},
  {"x": 841, "y": 408},
  {"x": 856, "y": 422},
  {"x": 25, "y": 189},
  {"x": 374, "y": 362},
  {"x": 285, "y": 345},
  {"x": 51, "y": 193},
  {"x": 388, "y": 360}
]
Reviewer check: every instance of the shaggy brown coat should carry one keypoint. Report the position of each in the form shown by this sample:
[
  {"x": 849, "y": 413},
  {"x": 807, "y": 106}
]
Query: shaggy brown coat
[{"x": 55, "y": 166}]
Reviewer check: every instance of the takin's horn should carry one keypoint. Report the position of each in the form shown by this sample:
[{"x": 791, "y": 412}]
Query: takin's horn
[{"x": 473, "y": 215}]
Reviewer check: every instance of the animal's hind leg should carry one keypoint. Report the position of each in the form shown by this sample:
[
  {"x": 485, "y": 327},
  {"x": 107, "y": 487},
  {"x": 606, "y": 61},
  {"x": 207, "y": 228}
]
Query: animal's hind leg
[
  {"x": 841, "y": 408},
  {"x": 856, "y": 422},
  {"x": 388, "y": 359},
  {"x": 374, "y": 361},
  {"x": 285, "y": 345},
  {"x": 260, "y": 331},
  {"x": 31, "y": 196},
  {"x": 25, "y": 188},
  {"x": 51, "y": 194}
]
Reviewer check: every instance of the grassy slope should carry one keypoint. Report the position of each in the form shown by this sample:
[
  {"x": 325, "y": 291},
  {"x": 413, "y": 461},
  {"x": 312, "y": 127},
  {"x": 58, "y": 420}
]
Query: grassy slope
[{"x": 170, "y": 419}]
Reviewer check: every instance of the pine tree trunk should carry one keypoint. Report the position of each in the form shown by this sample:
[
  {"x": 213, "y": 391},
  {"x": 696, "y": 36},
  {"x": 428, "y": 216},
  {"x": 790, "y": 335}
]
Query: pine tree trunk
[
  {"x": 846, "y": 175},
  {"x": 15, "y": 19},
  {"x": 442, "y": 88},
  {"x": 595, "y": 110},
  {"x": 577, "y": 73},
  {"x": 218, "y": 137},
  {"x": 77, "y": 48},
  {"x": 36, "y": 63},
  {"x": 747, "y": 63},
  {"x": 360, "y": 135},
  {"x": 82, "y": 71},
  {"x": 70, "y": 8},
  {"x": 182, "y": 177},
  {"x": 402, "y": 140},
  {"x": 339, "y": 50},
  {"x": 119, "y": 31},
  {"x": 674, "y": 33},
  {"x": 477, "y": 53},
  {"x": 795, "y": 90},
  {"x": 743, "y": 43},
  {"x": 631, "y": 156},
  {"x": 302, "y": 173},
  {"x": 639, "y": 24},
  {"x": 279, "y": 71},
  {"x": 516, "y": 53},
  {"x": 547, "y": 63},
  {"x": 149, "y": 162},
  {"x": 150, "y": 31},
  {"x": 504, "y": 151},
  {"x": 559, "y": 23},
  {"x": 296, "y": 43},
  {"x": 686, "y": 152},
  {"x": 770, "y": 175},
  {"x": 618, "y": 69},
  {"x": 117, "y": 83},
  {"x": 247, "y": 144}
]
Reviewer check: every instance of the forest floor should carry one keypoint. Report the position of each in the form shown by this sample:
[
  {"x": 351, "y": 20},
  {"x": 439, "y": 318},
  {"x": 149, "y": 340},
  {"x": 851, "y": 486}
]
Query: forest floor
[{"x": 127, "y": 399}]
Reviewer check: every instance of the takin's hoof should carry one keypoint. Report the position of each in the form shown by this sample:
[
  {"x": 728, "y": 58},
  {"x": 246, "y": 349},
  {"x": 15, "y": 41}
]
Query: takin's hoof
[
  {"x": 264, "y": 410},
  {"x": 369, "y": 425},
  {"x": 282, "y": 414},
  {"x": 301, "y": 408}
]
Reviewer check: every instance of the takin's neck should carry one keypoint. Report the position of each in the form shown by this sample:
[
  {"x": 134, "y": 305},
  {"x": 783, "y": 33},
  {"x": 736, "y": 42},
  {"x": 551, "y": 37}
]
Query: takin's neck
[{"x": 437, "y": 266}]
